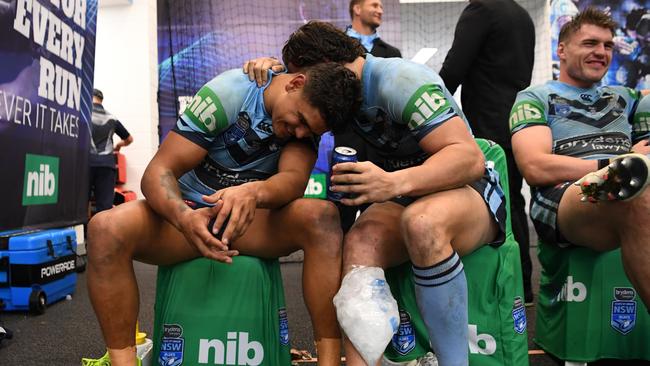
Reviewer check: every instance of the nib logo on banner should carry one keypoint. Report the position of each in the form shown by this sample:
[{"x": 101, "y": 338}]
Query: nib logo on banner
[{"x": 41, "y": 180}]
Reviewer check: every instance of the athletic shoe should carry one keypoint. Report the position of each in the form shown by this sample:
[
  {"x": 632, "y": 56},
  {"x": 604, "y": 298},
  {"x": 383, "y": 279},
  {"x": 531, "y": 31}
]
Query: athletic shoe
[
  {"x": 427, "y": 360},
  {"x": 103, "y": 361},
  {"x": 624, "y": 178}
]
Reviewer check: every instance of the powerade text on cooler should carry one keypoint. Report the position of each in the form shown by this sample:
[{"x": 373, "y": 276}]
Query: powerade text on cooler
[{"x": 341, "y": 154}]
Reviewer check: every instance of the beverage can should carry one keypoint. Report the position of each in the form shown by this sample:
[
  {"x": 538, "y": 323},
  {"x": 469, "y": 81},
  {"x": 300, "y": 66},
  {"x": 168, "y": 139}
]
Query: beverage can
[{"x": 341, "y": 154}]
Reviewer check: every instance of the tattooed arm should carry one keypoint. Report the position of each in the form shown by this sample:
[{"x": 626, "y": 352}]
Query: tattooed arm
[{"x": 175, "y": 157}]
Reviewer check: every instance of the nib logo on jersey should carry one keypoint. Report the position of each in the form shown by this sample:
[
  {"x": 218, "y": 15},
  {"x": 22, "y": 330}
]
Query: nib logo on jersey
[
  {"x": 206, "y": 112},
  {"x": 425, "y": 104},
  {"x": 41, "y": 183},
  {"x": 526, "y": 112}
]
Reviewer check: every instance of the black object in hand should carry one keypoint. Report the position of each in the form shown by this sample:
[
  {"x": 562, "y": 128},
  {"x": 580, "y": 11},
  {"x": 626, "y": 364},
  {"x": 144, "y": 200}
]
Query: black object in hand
[{"x": 219, "y": 234}]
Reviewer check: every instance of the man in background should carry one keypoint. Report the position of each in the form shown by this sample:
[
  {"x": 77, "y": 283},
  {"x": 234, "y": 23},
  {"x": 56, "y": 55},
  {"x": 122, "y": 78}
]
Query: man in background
[
  {"x": 492, "y": 57},
  {"x": 366, "y": 16},
  {"x": 102, "y": 159}
]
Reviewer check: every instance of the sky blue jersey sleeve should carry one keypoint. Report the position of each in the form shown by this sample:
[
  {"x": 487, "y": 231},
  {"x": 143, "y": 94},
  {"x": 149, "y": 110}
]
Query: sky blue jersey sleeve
[
  {"x": 528, "y": 110},
  {"x": 418, "y": 97},
  {"x": 213, "y": 108}
]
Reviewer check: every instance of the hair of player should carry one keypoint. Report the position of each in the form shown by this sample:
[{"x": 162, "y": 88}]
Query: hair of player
[
  {"x": 335, "y": 91},
  {"x": 591, "y": 16},
  {"x": 317, "y": 42}
]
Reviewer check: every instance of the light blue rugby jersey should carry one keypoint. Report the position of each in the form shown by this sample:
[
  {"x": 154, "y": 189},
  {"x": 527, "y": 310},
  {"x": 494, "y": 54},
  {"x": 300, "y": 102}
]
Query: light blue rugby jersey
[
  {"x": 227, "y": 117},
  {"x": 402, "y": 103},
  {"x": 593, "y": 123},
  {"x": 641, "y": 126}
]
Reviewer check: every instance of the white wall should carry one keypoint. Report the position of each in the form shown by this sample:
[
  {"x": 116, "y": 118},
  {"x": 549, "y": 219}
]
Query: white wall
[{"x": 126, "y": 72}]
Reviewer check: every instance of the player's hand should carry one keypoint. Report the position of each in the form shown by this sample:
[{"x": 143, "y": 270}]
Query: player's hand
[
  {"x": 239, "y": 205},
  {"x": 366, "y": 181},
  {"x": 194, "y": 225},
  {"x": 642, "y": 147},
  {"x": 257, "y": 68}
]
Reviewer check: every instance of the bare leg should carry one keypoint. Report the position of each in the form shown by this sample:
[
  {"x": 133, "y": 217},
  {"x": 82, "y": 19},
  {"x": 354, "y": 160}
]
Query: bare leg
[
  {"x": 115, "y": 237},
  {"x": 606, "y": 225},
  {"x": 134, "y": 231},
  {"x": 374, "y": 241},
  {"x": 313, "y": 226},
  {"x": 437, "y": 229},
  {"x": 431, "y": 229},
  {"x": 438, "y": 224}
]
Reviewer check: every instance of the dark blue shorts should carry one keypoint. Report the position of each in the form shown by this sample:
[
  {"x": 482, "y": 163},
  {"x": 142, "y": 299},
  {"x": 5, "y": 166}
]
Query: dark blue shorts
[{"x": 544, "y": 205}]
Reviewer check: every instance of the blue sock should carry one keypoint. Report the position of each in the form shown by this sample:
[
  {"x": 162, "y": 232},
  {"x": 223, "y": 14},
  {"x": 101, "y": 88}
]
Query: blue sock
[{"x": 441, "y": 294}]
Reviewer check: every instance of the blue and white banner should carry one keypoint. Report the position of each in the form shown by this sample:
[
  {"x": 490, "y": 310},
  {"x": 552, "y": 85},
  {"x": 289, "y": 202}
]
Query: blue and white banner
[{"x": 46, "y": 79}]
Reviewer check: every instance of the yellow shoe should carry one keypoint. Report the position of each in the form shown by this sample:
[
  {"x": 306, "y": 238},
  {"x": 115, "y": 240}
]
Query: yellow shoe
[{"x": 103, "y": 361}]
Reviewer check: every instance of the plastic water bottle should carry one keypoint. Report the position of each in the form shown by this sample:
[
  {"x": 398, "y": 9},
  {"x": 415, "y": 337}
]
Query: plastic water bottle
[
  {"x": 143, "y": 346},
  {"x": 367, "y": 311}
]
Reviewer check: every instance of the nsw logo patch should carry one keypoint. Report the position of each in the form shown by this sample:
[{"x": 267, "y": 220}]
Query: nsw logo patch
[
  {"x": 284, "y": 326},
  {"x": 172, "y": 345},
  {"x": 623, "y": 315},
  {"x": 404, "y": 339},
  {"x": 519, "y": 315}
]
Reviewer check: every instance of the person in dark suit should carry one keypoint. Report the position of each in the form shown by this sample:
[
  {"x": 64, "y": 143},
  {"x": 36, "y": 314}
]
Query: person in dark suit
[
  {"x": 366, "y": 16},
  {"x": 492, "y": 57}
]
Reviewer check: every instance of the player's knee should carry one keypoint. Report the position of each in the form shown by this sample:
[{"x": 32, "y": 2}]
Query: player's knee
[
  {"x": 320, "y": 221},
  {"x": 105, "y": 241},
  {"x": 362, "y": 239},
  {"x": 638, "y": 209},
  {"x": 424, "y": 230}
]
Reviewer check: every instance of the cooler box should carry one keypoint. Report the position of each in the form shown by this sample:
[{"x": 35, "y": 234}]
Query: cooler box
[
  {"x": 497, "y": 316},
  {"x": 37, "y": 268},
  {"x": 123, "y": 195},
  {"x": 212, "y": 313},
  {"x": 587, "y": 308}
]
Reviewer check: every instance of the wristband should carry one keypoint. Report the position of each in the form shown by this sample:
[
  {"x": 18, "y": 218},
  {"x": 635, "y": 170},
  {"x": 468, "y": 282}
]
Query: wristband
[{"x": 602, "y": 163}]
